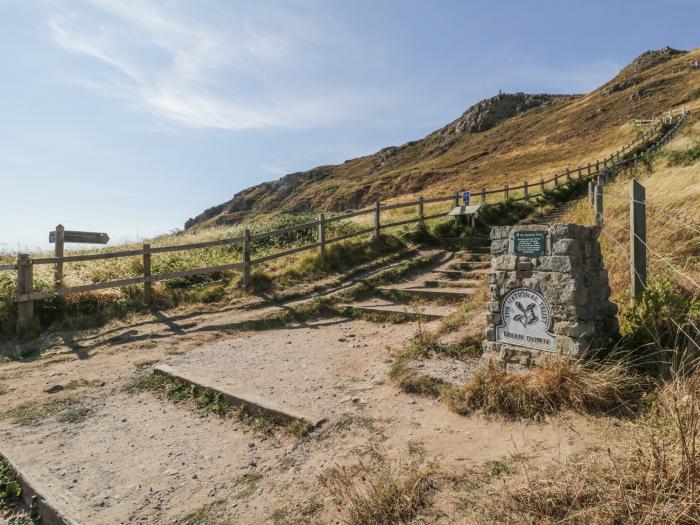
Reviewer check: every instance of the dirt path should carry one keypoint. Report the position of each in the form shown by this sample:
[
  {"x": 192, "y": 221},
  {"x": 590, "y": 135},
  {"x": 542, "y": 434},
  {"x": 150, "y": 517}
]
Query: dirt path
[{"x": 105, "y": 456}]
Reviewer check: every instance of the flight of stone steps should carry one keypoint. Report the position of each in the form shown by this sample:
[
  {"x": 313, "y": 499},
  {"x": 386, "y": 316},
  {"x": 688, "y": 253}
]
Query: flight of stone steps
[
  {"x": 434, "y": 292},
  {"x": 552, "y": 216}
]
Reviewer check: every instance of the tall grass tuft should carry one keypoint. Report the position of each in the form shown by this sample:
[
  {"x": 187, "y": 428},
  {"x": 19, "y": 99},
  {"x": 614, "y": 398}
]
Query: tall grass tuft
[
  {"x": 379, "y": 493},
  {"x": 652, "y": 480},
  {"x": 559, "y": 384}
]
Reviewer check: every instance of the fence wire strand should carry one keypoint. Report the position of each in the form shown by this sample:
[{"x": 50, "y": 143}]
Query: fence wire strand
[
  {"x": 656, "y": 254},
  {"x": 657, "y": 209}
]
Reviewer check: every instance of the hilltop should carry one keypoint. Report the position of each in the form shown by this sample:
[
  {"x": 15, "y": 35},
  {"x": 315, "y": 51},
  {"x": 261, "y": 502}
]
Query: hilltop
[{"x": 506, "y": 138}]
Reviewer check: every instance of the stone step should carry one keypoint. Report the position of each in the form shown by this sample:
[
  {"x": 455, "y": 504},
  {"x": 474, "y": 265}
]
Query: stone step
[
  {"x": 453, "y": 293},
  {"x": 241, "y": 397},
  {"x": 451, "y": 283},
  {"x": 393, "y": 309},
  {"x": 481, "y": 250},
  {"x": 473, "y": 257},
  {"x": 468, "y": 242},
  {"x": 462, "y": 274},
  {"x": 470, "y": 265}
]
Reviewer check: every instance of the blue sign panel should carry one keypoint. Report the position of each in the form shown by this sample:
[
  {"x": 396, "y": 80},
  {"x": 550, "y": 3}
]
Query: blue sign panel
[{"x": 466, "y": 197}]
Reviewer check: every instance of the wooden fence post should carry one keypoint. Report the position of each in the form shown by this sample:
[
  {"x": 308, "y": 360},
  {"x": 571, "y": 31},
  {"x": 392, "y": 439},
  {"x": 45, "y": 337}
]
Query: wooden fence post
[
  {"x": 591, "y": 188},
  {"x": 526, "y": 190},
  {"x": 542, "y": 186},
  {"x": 147, "y": 285},
  {"x": 58, "y": 252},
  {"x": 568, "y": 175},
  {"x": 25, "y": 284},
  {"x": 421, "y": 215},
  {"x": 246, "y": 257},
  {"x": 505, "y": 191},
  {"x": 321, "y": 234},
  {"x": 377, "y": 219},
  {"x": 599, "y": 204},
  {"x": 597, "y": 166},
  {"x": 455, "y": 199},
  {"x": 638, "y": 238},
  {"x": 483, "y": 195}
]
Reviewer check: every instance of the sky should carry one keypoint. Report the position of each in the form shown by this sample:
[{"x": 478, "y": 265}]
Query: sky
[{"x": 130, "y": 116}]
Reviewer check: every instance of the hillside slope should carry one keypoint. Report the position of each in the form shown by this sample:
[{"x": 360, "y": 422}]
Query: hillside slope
[{"x": 507, "y": 138}]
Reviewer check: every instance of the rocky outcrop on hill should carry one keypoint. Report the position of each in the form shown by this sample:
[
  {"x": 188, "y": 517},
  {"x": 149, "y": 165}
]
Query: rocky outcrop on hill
[
  {"x": 652, "y": 58},
  {"x": 491, "y": 111},
  {"x": 508, "y": 137},
  {"x": 487, "y": 114}
]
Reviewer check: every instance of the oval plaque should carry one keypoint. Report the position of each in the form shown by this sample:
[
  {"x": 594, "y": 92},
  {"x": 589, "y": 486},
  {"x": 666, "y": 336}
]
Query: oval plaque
[{"x": 526, "y": 320}]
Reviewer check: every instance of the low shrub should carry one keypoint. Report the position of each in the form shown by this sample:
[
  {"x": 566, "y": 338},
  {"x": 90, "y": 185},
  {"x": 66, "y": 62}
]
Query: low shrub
[{"x": 656, "y": 327}]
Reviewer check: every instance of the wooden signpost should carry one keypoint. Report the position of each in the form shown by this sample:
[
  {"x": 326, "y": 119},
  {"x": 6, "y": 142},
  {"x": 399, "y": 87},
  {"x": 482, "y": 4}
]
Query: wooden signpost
[{"x": 61, "y": 236}]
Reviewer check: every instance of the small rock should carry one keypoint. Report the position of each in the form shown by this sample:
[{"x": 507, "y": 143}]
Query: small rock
[{"x": 53, "y": 389}]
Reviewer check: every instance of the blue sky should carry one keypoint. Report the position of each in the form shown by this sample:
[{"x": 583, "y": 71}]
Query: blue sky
[{"x": 131, "y": 116}]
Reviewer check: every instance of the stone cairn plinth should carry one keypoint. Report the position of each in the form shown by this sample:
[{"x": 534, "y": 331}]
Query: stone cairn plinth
[{"x": 549, "y": 294}]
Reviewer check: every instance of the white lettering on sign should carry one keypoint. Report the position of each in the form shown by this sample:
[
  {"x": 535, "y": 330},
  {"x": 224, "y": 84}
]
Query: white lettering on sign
[{"x": 526, "y": 320}]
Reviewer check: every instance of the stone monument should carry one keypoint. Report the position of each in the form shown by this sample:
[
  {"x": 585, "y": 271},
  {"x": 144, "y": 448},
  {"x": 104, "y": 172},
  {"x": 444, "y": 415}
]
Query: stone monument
[{"x": 549, "y": 294}]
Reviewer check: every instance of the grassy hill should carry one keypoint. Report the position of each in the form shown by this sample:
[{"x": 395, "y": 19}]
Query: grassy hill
[{"x": 508, "y": 138}]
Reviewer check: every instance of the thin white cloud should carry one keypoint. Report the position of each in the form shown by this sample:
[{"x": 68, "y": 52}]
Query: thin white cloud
[{"x": 196, "y": 72}]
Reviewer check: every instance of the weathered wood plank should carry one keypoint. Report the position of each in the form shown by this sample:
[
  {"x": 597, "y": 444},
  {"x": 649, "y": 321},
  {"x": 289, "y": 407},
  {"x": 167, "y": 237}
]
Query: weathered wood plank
[
  {"x": 126, "y": 282},
  {"x": 349, "y": 235},
  {"x": 349, "y": 215},
  {"x": 89, "y": 257},
  {"x": 197, "y": 245},
  {"x": 272, "y": 233},
  {"x": 386, "y": 207},
  {"x": 80, "y": 237},
  {"x": 286, "y": 252}
]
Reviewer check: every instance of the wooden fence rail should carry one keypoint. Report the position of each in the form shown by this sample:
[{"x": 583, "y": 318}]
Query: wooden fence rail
[{"x": 26, "y": 295}]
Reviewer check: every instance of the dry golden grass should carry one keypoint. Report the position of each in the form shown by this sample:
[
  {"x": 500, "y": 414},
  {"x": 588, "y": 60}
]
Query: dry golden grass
[
  {"x": 652, "y": 478},
  {"x": 557, "y": 385},
  {"x": 380, "y": 493},
  {"x": 673, "y": 220}
]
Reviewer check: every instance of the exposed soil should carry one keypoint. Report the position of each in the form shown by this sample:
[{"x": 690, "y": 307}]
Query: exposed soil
[{"x": 106, "y": 456}]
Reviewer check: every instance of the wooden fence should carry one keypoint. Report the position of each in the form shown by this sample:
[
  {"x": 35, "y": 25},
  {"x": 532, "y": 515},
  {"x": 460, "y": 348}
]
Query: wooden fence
[{"x": 26, "y": 295}]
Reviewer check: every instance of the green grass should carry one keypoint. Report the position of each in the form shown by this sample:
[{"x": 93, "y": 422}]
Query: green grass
[
  {"x": 299, "y": 428},
  {"x": 411, "y": 382},
  {"x": 74, "y": 414},
  {"x": 207, "y": 401},
  {"x": 684, "y": 157},
  {"x": 32, "y": 414},
  {"x": 11, "y": 509}
]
